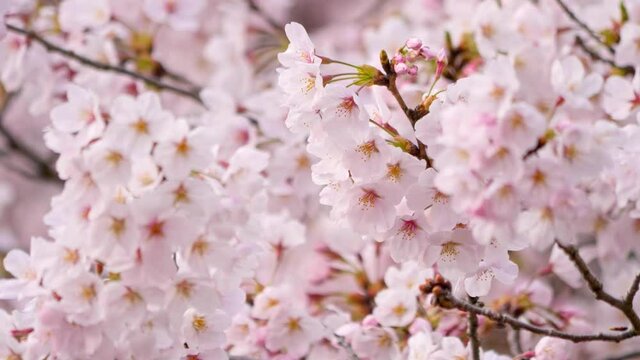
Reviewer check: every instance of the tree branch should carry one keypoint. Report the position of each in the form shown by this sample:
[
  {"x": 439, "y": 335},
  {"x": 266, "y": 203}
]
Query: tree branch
[
  {"x": 44, "y": 169},
  {"x": 473, "y": 332},
  {"x": 633, "y": 290},
  {"x": 583, "y": 25},
  {"x": 346, "y": 346},
  {"x": 153, "y": 81},
  {"x": 597, "y": 57},
  {"x": 273, "y": 23},
  {"x": 393, "y": 88},
  {"x": 343, "y": 343},
  {"x": 389, "y": 81},
  {"x": 520, "y": 325},
  {"x": 443, "y": 297},
  {"x": 597, "y": 288}
]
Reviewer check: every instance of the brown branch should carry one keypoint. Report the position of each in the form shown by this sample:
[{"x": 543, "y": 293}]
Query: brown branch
[
  {"x": 414, "y": 115},
  {"x": 520, "y": 325},
  {"x": 164, "y": 72},
  {"x": 273, "y": 23},
  {"x": 597, "y": 288},
  {"x": 393, "y": 88},
  {"x": 44, "y": 170},
  {"x": 539, "y": 145},
  {"x": 597, "y": 57},
  {"x": 443, "y": 297},
  {"x": 473, "y": 332},
  {"x": 153, "y": 81},
  {"x": 583, "y": 25},
  {"x": 633, "y": 290}
]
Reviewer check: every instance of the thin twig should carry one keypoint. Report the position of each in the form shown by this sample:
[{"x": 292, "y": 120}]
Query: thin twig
[
  {"x": 179, "y": 78},
  {"x": 447, "y": 297},
  {"x": 633, "y": 290},
  {"x": 414, "y": 115},
  {"x": 584, "y": 26},
  {"x": 153, "y": 81},
  {"x": 343, "y": 343},
  {"x": 592, "y": 53},
  {"x": 347, "y": 347},
  {"x": 44, "y": 169},
  {"x": 393, "y": 88},
  {"x": 273, "y": 23},
  {"x": 595, "y": 56},
  {"x": 597, "y": 288},
  {"x": 473, "y": 332}
]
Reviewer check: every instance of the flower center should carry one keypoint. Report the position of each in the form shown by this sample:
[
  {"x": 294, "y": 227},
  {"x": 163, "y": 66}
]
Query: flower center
[
  {"x": 199, "y": 323},
  {"x": 368, "y": 199},
  {"x": 141, "y": 127},
  {"x": 367, "y": 149}
]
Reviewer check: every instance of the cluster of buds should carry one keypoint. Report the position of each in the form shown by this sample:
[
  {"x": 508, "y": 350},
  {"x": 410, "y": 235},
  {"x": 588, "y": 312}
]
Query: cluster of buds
[
  {"x": 440, "y": 288},
  {"x": 404, "y": 61}
]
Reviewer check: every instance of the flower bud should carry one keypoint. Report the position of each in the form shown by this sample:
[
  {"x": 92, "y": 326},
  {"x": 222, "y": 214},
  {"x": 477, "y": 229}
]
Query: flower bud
[
  {"x": 370, "y": 320},
  {"x": 411, "y": 55},
  {"x": 414, "y": 43},
  {"x": 441, "y": 62},
  {"x": 400, "y": 68},
  {"x": 427, "y": 53},
  {"x": 398, "y": 58}
]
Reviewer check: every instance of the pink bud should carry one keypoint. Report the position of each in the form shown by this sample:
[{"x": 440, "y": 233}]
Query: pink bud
[
  {"x": 441, "y": 62},
  {"x": 411, "y": 55},
  {"x": 398, "y": 58},
  {"x": 400, "y": 68},
  {"x": 427, "y": 53},
  {"x": 413, "y": 70},
  {"x": 369, "y": 320},
  {"x": 414, "y": 43}
]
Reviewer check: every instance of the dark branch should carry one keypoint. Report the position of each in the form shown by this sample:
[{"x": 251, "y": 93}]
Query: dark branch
[
  {"x": 597, "y": 57},
  {"x": 273, "y": 23},
  {"x": 597, "y": 288},
  {"x": 443, "y": 297},
  {"x": 520, "y": 325},
  {"x": 389, "y": 81},
  {"x": 633, "y": 290},
  {"x": 473, "y": 332},
  {"x": 44, "y": 170},
  {"x": 583, "y": 25},
  {"x": 153, "y": 81}
]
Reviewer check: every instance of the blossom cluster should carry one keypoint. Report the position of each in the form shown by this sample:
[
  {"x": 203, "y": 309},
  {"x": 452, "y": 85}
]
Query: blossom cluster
[{"x": 231, "y": 186}]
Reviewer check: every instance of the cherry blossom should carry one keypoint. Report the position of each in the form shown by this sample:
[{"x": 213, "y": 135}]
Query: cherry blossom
[{"x": 416, "y": 180}]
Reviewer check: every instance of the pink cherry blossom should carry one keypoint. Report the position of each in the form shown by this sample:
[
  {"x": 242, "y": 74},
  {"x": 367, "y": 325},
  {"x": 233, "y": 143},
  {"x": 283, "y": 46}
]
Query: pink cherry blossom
[{"x": 373, "y": 182}]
